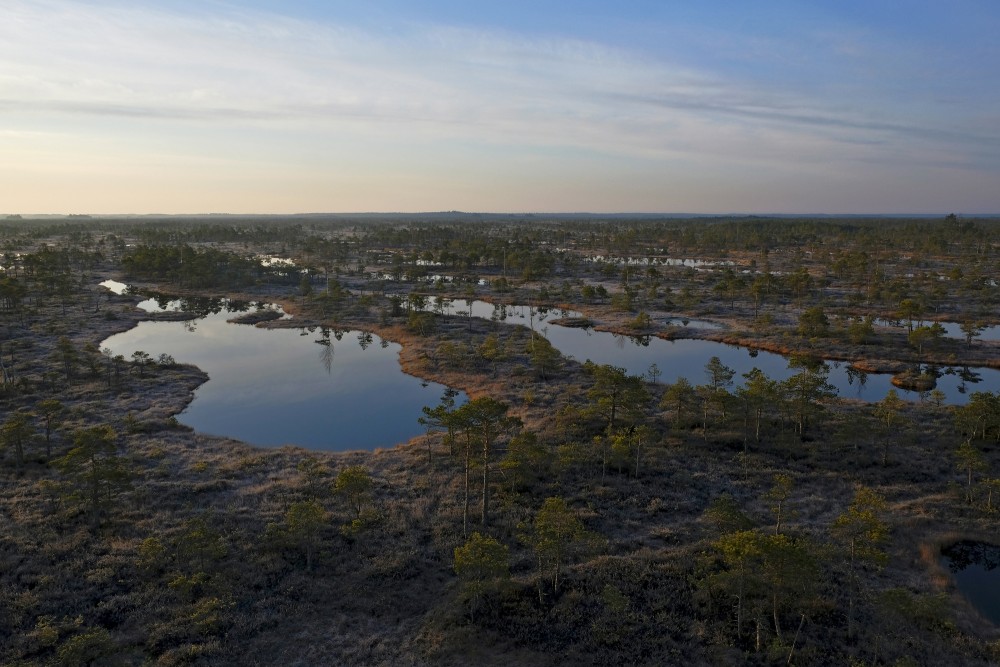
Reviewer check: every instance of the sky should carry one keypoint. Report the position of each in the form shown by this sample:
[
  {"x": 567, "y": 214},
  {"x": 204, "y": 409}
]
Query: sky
[{"x": 221, "y": 106}]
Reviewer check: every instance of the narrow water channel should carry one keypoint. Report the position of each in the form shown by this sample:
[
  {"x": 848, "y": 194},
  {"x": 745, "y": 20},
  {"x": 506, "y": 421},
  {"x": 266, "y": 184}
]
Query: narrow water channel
[{"x": 686, "y": 358}]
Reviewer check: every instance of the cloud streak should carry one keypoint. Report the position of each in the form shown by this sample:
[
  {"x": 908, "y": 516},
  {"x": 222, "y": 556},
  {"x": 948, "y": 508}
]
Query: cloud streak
[{"x": 77, "y": 68}]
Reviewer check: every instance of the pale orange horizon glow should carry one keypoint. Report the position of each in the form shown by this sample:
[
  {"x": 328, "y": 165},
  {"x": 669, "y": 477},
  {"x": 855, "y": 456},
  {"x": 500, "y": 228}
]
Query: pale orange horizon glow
[{"x": 130, "y": 109}]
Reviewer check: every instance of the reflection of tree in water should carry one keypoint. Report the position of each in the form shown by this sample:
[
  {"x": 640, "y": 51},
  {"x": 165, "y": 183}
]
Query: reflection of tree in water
[
  {"x": 620, "y": 341},
  {"x": 441, "y": 304},
  {"x": 933, "y": 371},
  {"x": 808, "y": 361},
  {"x": 969, "y": 376},
  {"x": 966, "y": 553},
  {"x": 326, "y": 349},
  {"x": 326, "y": 356},
  {"x": 966, "y": 376},
  {"x": 162, "y": 301},
  {"x": 364, "y": 339},
  {"x": 201, "y": 306},
  {"x": 853, "y": 374}
]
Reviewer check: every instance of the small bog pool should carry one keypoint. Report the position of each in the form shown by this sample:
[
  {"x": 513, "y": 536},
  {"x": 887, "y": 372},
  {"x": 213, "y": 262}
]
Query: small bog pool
[
  {"x": 317, "y": 388},
  {"x": 976, "y": 568}
]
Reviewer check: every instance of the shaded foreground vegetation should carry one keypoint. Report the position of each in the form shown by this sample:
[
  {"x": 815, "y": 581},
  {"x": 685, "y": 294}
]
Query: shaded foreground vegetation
[{"x": 569, "y": 513}]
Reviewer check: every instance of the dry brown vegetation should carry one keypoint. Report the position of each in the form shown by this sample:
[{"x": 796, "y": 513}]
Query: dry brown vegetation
[{"x": 195, "y": 562}]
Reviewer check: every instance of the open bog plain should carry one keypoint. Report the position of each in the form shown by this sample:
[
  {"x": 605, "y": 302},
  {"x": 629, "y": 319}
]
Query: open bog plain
[{"x": 447, "y": 439}]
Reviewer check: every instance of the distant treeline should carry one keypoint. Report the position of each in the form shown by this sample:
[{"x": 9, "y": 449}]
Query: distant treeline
[{"x": 187, "y": 266}]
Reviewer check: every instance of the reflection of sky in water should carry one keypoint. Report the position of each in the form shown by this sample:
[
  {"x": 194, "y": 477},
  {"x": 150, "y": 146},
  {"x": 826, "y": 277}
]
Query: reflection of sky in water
[
  {"x": 115, "y": 286},
  {"x": 271, "y": 387},
  {"x": 691, "y": 323},
  {"x": 687, "y": 358}
]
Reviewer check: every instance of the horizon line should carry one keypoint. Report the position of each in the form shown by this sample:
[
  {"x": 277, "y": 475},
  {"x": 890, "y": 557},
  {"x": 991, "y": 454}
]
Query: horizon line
[{"x": 646, "y": 214}]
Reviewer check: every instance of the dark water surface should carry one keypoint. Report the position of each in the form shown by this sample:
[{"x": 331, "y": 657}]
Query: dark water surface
[{"x": 976, "y": 568}]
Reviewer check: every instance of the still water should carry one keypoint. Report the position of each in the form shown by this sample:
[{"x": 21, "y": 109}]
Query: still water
[
  {"x": 976, "y": 568},
  {"x": 687, "y": 357},
  {"x": 951, "y": 329},
  {"x": 315, "y": 388},
  {"x": 345, "y": 390}
]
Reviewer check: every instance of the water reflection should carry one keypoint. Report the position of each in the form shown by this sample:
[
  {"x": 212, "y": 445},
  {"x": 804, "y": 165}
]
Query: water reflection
[
  {"x": 326, "y": 352},
  {"x": 196, "y": 306},
  {"x": 854, "y": 375},
  {"x": 675, "y": 358},
  {"x": 975, "y": 568},
  {"x": 114, "y": 286},
  {"x": 951, "y": 329},
  {"x": 271, "y": 387},
  {"x": 692, "y": 323},
  {"x": 687, "y": 357}
]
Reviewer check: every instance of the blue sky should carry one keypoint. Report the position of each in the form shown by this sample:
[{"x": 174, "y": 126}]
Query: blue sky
[{"x": 712, "y": 107}]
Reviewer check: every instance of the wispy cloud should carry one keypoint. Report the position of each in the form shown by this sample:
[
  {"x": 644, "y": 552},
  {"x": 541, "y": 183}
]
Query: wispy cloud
[
  {"x": 75, "y": 66},
  {"x": 134, "y": 62}
]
